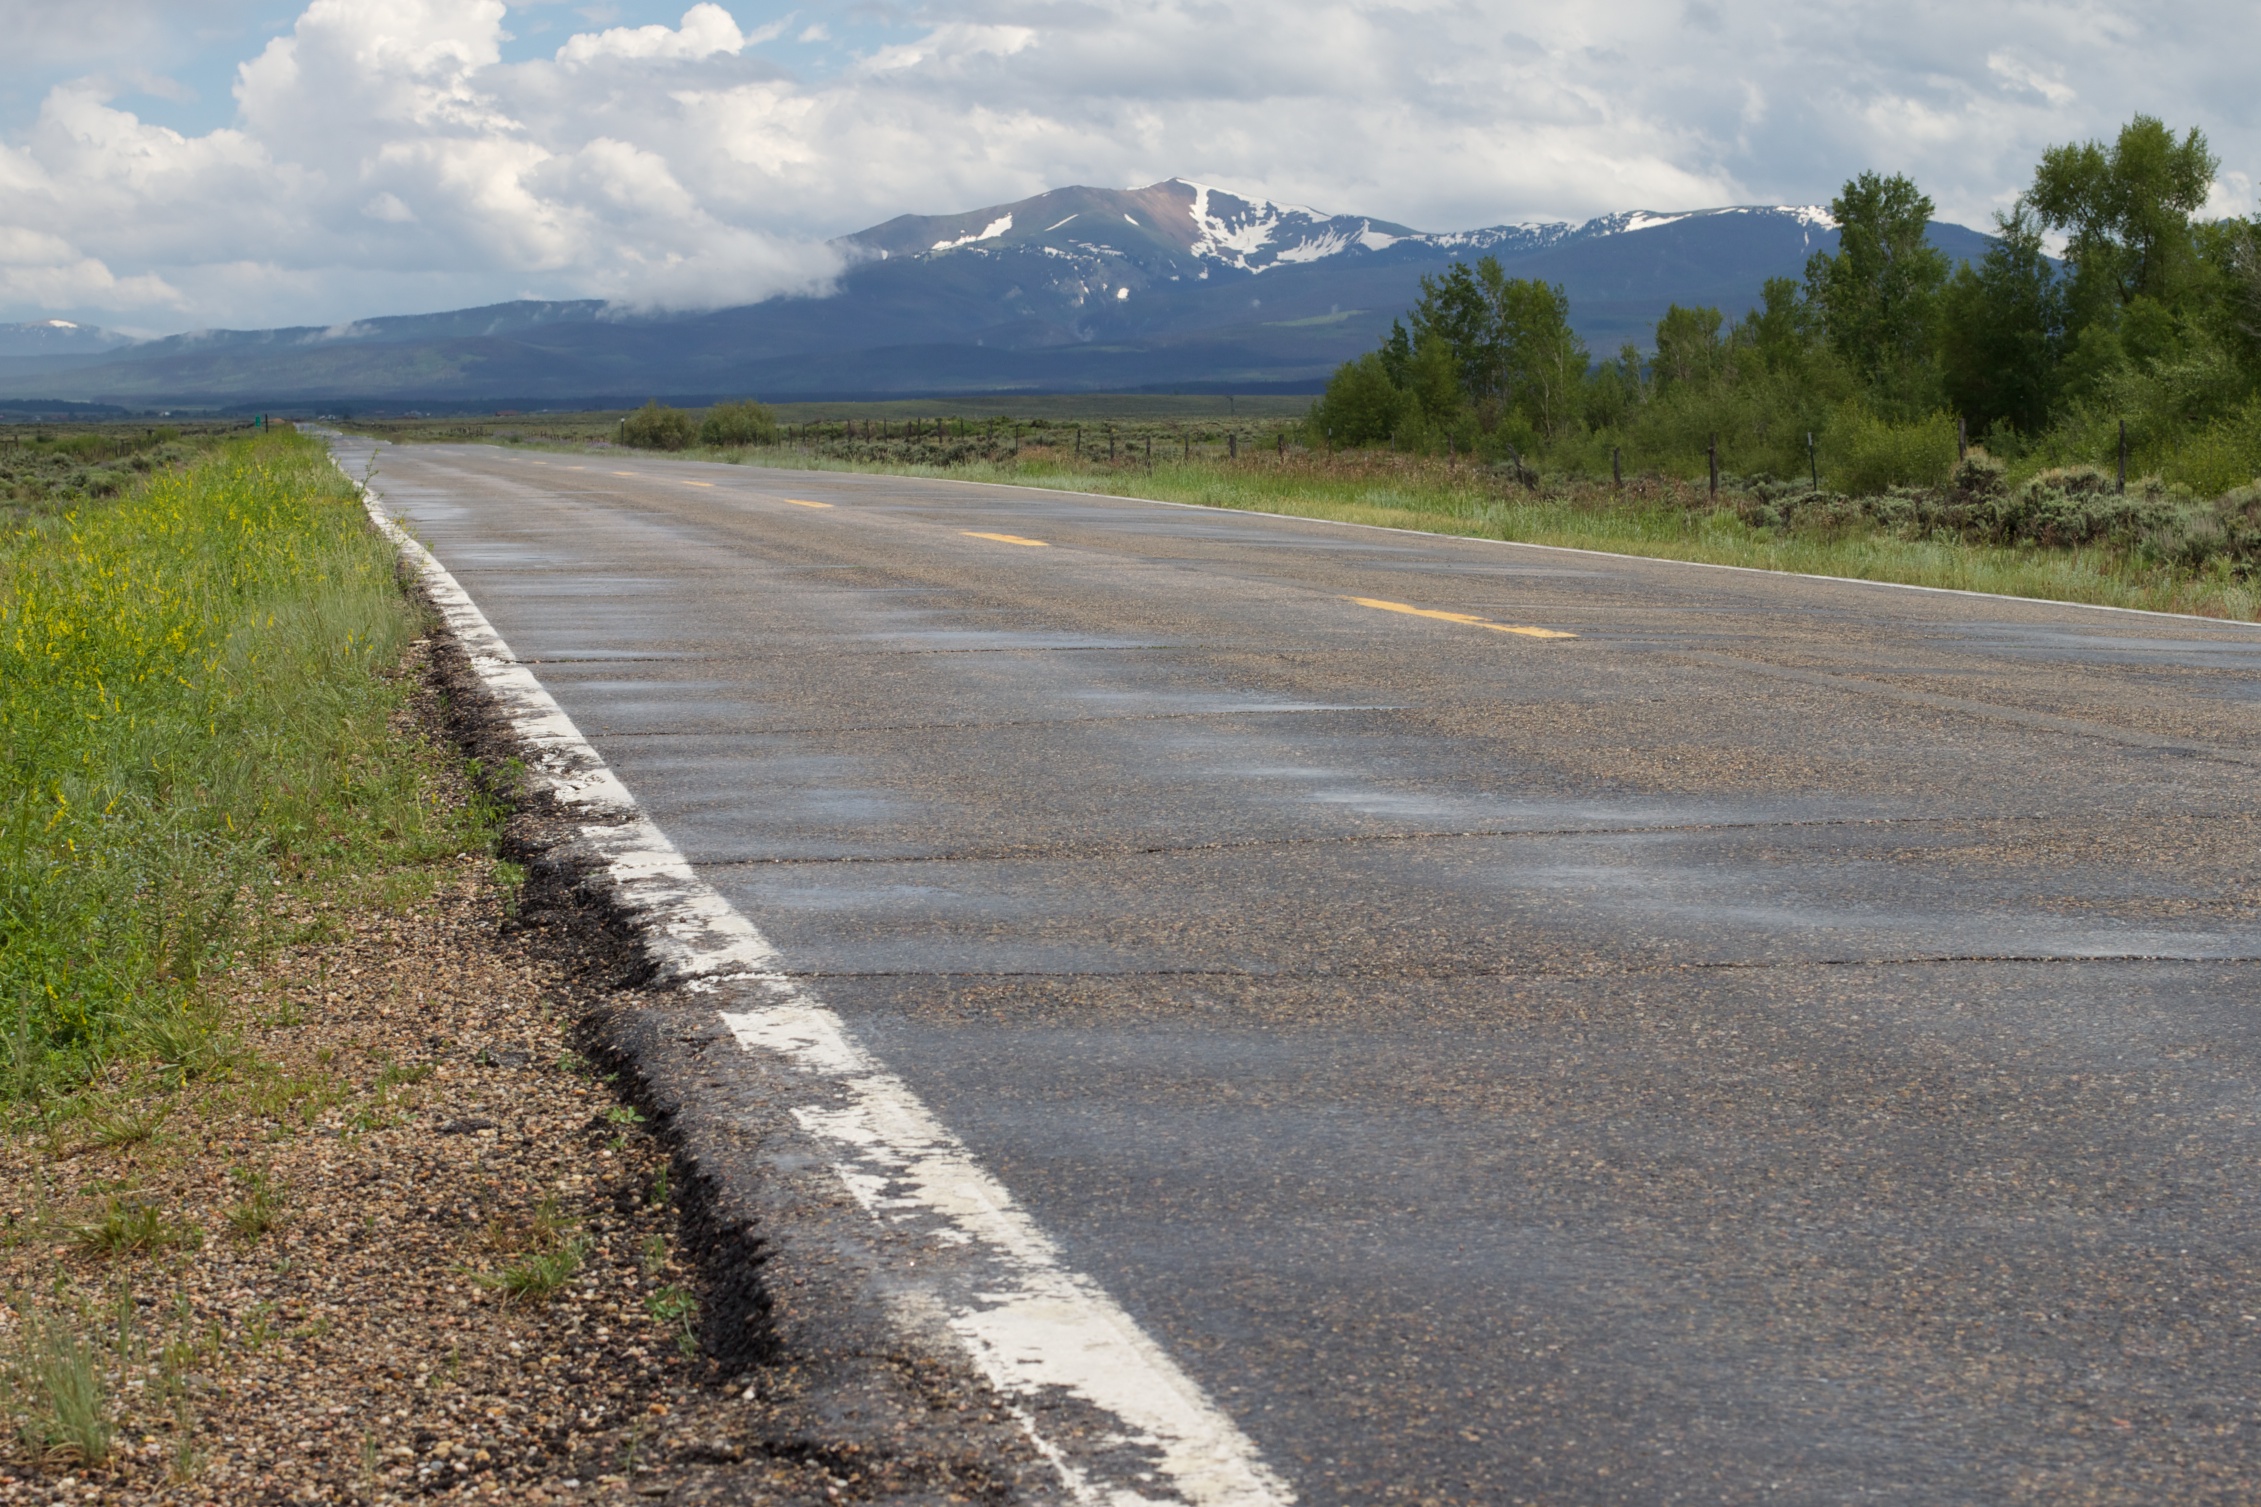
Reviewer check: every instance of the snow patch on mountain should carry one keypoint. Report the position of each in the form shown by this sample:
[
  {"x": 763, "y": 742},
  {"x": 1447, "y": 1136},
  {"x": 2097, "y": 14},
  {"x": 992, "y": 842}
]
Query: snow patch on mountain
[{"x": 996, "y": 228}]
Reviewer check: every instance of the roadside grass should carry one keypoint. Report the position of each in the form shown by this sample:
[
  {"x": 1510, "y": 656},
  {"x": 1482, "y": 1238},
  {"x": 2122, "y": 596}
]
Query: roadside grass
[
  {"x": 197, "y": 685},
  {"x": 1657, "y": 517}
]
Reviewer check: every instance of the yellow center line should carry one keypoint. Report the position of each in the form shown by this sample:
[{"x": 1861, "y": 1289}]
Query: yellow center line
[
  {"x": 576, "y": 468},
  {"x": 629, "y": 474},
  {"x": 1460, "y": 617},
  {"x": 696, "y": 483},
  {"x": 803, "y": 502},
  {"x": 1005, "y": 538}
]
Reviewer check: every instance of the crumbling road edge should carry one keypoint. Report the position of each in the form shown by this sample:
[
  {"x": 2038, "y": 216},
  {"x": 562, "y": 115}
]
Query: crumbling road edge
[{"x": 932, "y": 1249}]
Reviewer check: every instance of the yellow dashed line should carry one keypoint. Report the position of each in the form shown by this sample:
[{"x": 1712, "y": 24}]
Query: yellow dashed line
[
  {"x": 697, "y": 483},
  {"x": 803, "y": 502},
  {"x": 629, "y": 474},
  {"x": 1004, "y": 538},
  {"x": 1460, "y": 617}
]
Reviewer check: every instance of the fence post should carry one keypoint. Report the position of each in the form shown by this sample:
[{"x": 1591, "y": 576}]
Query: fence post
[
  {"x": 1150, "y": 452},
  {"x": 1110, "y": 444},
  {"x": 1079, "y": 442},
  {"x": 1617, "y": 467},
  {"x": 1713, "y": 452},
  {"x": 1283, "y": 444},
  {"x": 1232, "y": 445},
  {"x": 1962, "y": 440},
  {"x": 1813, "y": 459},
  {"x": 2123, "y": 484}
]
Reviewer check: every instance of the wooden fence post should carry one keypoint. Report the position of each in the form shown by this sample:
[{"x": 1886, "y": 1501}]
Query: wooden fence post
[
  {"x": 2123, "y": 483},
  {"x": 1714, "y": 454}
]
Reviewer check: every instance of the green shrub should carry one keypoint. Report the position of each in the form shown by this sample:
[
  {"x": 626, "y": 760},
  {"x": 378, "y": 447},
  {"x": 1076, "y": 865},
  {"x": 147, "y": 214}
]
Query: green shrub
[
  {"x": 1864, "y": 455},
  {"x": 729, "y": 425},
  {"x": 2223, "y": 456},
  {"x": 652, "y": 427},
  {"x": 1361, "y": 405}
]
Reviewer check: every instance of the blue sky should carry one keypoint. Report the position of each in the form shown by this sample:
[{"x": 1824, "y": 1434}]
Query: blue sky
[{"x": 179, "y": 164}]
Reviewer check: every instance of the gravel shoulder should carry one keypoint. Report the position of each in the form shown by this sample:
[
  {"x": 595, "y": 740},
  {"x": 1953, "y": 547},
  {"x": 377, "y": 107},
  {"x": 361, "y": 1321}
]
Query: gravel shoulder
[{"x": 411, "y": 1227}]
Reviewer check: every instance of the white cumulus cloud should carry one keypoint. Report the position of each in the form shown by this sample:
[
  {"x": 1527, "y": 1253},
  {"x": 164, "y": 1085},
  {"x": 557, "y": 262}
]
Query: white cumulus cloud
[{"x": 390, "y": 155}]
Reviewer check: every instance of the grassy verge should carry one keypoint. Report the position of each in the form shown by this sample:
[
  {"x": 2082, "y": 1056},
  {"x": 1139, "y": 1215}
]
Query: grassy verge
[
  {"x": 1658, "y": 517},
  {"x": 196, "y": 686}
]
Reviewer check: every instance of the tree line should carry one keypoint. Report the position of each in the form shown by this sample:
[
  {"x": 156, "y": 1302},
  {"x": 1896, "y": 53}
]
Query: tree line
[{"x": 1875, "y": 364}]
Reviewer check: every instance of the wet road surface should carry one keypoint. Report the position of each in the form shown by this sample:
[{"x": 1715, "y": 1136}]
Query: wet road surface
[{"x": 1517, "y": 1025}]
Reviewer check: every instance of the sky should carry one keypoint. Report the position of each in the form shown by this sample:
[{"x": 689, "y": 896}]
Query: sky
[{"x": 170, "y": 165}]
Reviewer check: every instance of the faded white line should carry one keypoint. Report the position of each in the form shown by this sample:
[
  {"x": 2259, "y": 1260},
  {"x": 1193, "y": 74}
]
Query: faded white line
[{"x": 1032, "y": 1326}]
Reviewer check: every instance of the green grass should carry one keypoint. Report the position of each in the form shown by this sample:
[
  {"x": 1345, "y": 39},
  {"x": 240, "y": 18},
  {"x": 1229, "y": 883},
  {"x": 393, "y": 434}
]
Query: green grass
[
  {"x": 196, "y": 694},
  {"x": 131, "y": 1226},
  {"x": 538, "y": 1274},
  {"x": 57, "y": 1393},
  {"x": 1657, "y": 517}
]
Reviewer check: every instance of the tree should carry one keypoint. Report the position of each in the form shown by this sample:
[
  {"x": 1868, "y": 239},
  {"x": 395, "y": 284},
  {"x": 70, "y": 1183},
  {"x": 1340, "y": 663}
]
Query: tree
[
  {"x": 1781, "y": 331},
  {"x": 1361, "y": 405},
  {"x": 2126, "y": 213},
  {"x": 1509, "y": 340},
  {"x": 1877, "y": 296},
  {"x": 2002, "y": 337},
  {"x": 1455, "y": 311},
  {"x": 1687, "y": 347},
  {"x": 1542, "y": 361}
]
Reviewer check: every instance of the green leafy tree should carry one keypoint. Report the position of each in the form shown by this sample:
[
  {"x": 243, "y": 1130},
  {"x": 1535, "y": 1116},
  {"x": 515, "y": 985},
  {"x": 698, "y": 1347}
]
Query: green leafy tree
[
  {"x": 1542, "y": 361},
  {"x": 1781, "y": 331},
  {"x": 1361, "y": 405},
  {"x": 1688, "y": 348},
  {"x": 1455, "y": 312},
  {"x": 1877, "y": 295},
  {"x": 2126, "y": 211},
  {"x": 2002, "y": 331}
]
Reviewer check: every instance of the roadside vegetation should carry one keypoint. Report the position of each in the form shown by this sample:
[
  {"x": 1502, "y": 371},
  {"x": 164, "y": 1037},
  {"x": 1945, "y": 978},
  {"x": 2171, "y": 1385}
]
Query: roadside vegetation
[
  {"x": 265, "y": 1015},
  {"x": 195, "y": 695}
]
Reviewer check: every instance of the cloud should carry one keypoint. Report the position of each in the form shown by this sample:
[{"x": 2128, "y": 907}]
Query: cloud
[
  {"x": 394, "y": 154},
  {"x": 706, "y": 30}
]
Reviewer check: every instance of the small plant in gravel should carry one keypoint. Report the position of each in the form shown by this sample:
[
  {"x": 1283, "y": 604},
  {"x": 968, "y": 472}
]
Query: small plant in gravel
[
  {"x": 536, "y": 1276},
  {"x": 260, "y": 1209},
  {"x": 62, "y": 1406},
  {"x": 113, "y": 1125},
  {"x": 127, "y": 1225},
  {"x": 676, "y": 1309}
]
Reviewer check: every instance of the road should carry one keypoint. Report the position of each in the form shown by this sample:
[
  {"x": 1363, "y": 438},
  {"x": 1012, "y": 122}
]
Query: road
[{"x": 1516, "y": 1025}]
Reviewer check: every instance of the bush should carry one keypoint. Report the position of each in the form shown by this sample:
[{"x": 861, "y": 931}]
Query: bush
[
  {"x": 732, "y": 424},
  {"x": 652, "y": 427},
  {"x": 1865, "y": 455},
  {"x": 1361, "y": 405}
]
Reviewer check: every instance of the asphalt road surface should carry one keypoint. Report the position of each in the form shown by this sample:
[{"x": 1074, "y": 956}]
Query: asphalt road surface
[{"x": 1783, "y": 1041}]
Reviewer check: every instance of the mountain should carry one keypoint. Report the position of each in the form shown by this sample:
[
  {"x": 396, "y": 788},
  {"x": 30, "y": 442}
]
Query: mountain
[{"x": 1176, "y": 286}]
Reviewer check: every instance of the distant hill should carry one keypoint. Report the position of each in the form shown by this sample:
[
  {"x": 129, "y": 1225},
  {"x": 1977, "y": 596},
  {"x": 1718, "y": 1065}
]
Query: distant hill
[{"x": 1177, "y": 286}]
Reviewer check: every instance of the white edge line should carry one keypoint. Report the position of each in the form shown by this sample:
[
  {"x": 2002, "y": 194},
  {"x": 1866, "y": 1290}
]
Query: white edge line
[
  {"x": 1557, "y": 549},
  {"x": 1039, "y": 1326}
]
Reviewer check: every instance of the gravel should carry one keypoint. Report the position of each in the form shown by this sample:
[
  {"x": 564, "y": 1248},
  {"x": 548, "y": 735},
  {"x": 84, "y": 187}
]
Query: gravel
[{"x": 413, "y": 1244}]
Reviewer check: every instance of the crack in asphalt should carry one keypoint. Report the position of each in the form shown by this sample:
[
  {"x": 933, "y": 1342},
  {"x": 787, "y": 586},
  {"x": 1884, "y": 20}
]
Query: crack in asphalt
[
  {"x": 1346, "y": 839},
  {"x": 1446, "y": 976}
]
